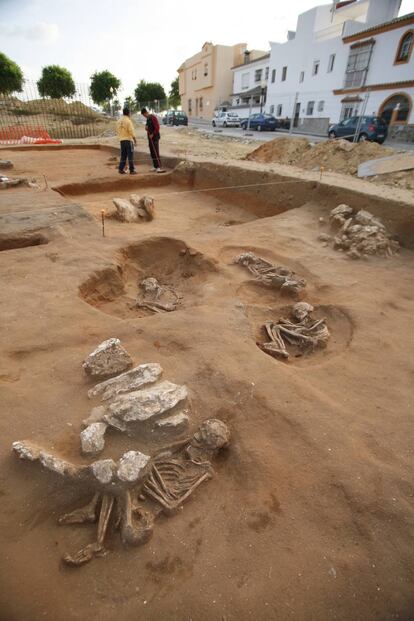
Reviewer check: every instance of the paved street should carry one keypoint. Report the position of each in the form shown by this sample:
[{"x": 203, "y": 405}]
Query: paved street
[{"x": 237, "y": 132}]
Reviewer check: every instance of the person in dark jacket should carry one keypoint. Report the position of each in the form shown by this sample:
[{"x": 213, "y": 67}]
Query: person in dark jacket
[{"x": 152, "y": 128}]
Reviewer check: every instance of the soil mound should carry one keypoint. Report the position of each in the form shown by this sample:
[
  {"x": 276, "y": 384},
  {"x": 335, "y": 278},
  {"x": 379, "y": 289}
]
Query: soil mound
[
  {"x": 342, "y": 156},
  {"x": 335, "y": 155},
  {"x": 282, "y": 150}
]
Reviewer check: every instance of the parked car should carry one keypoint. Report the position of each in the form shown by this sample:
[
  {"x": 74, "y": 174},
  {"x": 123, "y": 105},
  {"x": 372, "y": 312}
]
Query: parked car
[
  {"x": 372, "y": 128},
  {"x": 226, "y": 119},
  {"x": 175, "y": 117},
  {"x": 261, "y": 122}
]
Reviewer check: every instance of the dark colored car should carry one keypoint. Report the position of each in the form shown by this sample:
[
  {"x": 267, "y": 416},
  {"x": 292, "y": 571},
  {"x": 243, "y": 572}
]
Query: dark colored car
[
  {"x": 261, "y": 122},
  {"x": 175, "y": 117},
  {"x": 372, "y": 128}
]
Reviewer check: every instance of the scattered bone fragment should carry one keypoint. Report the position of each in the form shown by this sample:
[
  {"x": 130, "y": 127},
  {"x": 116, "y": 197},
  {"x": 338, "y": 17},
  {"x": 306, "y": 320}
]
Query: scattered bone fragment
[
  {"x": 156, "y": 297},
  {"x": 300, "y": 331},
  {"x": 126, "y": 382},
  {"x": 360, "y": 233},
  {"x": 109, "y": 358},
  {"x": 6, "y": 164},
  {"x": 92, "y": 438},
  {"x": 162, "y": 483},
  {"x": 5, "y": 182},
  {"x": 276, "y": 276},
  {"x": 136, "y": 209}
]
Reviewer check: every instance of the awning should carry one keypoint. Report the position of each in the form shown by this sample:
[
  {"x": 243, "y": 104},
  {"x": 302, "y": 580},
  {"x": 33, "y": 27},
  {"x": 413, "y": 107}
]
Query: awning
[
  {"x": 351, "y": 99},
  {"x": 257, "y": 90}
]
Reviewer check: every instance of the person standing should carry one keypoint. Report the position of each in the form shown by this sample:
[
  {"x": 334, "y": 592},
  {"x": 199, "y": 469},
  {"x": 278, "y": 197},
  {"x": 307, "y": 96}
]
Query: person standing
[
  {"x": 152, "y": 128},
  {"x": 126, "y": 136}
]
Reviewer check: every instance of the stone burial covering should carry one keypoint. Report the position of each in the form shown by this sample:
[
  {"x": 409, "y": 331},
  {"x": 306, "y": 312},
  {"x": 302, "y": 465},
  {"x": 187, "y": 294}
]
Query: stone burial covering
[
  {"x": 136, "y": 209},
  {"x": 359, "y": 233},
  {"x": 133, "y": 491}
]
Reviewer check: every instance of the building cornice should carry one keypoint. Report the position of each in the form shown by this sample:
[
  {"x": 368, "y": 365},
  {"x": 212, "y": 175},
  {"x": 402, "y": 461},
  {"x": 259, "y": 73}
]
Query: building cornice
[
  {"x": 251, "y": 62},
  {"x": 374, "y": 87},
  {"x": 399, "y": 22}
]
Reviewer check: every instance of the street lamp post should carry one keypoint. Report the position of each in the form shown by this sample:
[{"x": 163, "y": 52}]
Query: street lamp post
[{"x": 263, "y": 85}]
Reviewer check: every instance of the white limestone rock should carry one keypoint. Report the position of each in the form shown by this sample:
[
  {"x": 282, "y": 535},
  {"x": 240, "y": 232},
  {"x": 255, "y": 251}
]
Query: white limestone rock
[
  {"x": 104, "y": 470},
  {"x": 131, "y": 466},
  {"x": 109, "y": 358},
  {"x": 141, "y": 405},
  {"x": 26, "y": 450},
  {"x": 175, "y": 422},
  {"x": 126, "y": 212},
  {"x": 126, "y": 382},
  {"x": 93, "y": 438}
]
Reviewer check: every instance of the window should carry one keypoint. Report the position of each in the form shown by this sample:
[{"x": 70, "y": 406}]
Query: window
[
  {"x": 331, "y": 63},
  {"x": 200, "y": 105},
  {"x": 284, "y": 74},
  {"x": 357, "y": 67},
  {"x": 279, "y": 110},
  {"x": 237, "y": 101},
  {"x": 405, "y": 47},
  {"x": 245, "y": 81},
  {"x": 310, "y": 107},
  {"x": 273, "y": 75},
  {"x": 256, "y": 99},
  {"x": 205, "y": 69},
  {"x": 349, "y": 110},
  {"x": 272, "y": 109},
  {"x": 267, "y": 73},
  {"x": 315, "y": 67},
  {"x": 321, "y": 106},
  {"x": 189, "y": 106},
  {"x": 258, "y": 75},
  {"x": 245, "y": 100},
  {"x": 301, "y": 76}
]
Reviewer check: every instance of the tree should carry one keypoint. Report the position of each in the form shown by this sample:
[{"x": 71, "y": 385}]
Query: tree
[
  {"x": 130, "y": 104},
  {"x": 11, "y": 76},
  {"x": 148, "y": 92},
  {"x": 101, "y": 84},
  {"x": 56, "y": 82},
  {"x": 174, "y": 95}
]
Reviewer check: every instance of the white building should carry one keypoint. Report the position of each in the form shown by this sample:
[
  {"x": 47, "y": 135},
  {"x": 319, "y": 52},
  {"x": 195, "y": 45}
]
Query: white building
[
  {"x": 339, "y": 53},
  {"x": 250, "y": 83}
]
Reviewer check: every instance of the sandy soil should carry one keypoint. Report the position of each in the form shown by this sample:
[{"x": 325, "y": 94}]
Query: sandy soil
[{"x": 310, "y": 515}]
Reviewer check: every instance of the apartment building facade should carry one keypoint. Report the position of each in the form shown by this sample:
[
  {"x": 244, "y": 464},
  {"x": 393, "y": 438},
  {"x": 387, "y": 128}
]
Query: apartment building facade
[
  {"x": 250, "y": 83},
  {"x": 206, "y": 79},
  {"x": 344, "y": 59}
]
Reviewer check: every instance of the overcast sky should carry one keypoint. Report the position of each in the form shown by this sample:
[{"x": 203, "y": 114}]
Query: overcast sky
[{"x": 134, "y": 39}]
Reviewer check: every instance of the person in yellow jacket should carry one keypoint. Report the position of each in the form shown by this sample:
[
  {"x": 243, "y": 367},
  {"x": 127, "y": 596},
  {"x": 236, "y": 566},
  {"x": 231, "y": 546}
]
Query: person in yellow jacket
[{"x": 126, "y": 136}]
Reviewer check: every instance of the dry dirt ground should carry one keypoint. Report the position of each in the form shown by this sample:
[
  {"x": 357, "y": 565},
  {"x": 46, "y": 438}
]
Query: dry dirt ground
[{"x": 310, "y": 516}]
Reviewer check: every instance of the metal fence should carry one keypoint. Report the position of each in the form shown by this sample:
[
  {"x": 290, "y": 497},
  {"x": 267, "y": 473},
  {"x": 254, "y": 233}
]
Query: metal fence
[{"x": 27, "y": 117}]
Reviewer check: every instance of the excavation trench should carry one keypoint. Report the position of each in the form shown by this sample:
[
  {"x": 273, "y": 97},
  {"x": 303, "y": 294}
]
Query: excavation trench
[{"x": 180, "y": 271}]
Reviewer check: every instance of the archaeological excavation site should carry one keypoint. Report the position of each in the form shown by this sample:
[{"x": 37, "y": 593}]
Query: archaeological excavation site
[{"x": 206, "y": 390}]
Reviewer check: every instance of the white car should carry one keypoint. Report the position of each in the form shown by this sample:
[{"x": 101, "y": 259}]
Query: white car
[{"x": 226, "y": 119}]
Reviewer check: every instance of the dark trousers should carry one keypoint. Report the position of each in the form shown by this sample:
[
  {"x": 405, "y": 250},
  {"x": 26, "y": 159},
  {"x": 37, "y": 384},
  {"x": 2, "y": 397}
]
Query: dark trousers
[
  {"x": 126, "y": 152},
  {"x": 154, "y": 147}
]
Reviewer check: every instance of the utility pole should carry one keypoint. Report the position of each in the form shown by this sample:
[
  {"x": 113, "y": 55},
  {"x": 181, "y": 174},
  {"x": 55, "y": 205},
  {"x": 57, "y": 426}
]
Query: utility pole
[
  {"x": 293, "y": 113},
  {"x": 250, "y": 113},
  {"x": 358, "y": 127}
]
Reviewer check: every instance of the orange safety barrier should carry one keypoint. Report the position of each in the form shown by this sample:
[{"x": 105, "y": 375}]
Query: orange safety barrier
[{"x": 26, "y": 135}]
